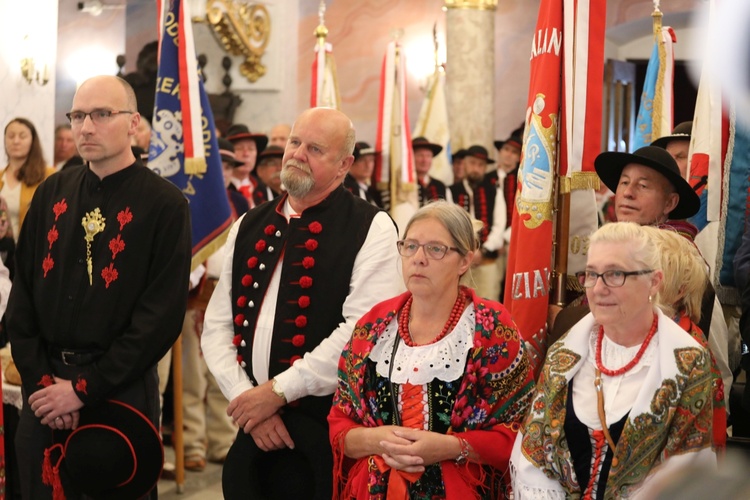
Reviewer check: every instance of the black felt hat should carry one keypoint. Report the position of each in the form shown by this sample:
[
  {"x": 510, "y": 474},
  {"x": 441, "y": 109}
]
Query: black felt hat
[
  {"x": 421, "y": 142},
  {"x": 271, "y": 152},
  {"x": 609, "y": 167},
  {"x": 479, "y": 152},
  {"x": 239, "y": 131},
  {"x": 681, "y": 132},
  {"x": 515, "y": 139},
  {"x": 226, "y": 151},
  {"x": 361, "y": 148},
  {"x": 460, "y": 154},
  {"x": 115, "y": 453}
]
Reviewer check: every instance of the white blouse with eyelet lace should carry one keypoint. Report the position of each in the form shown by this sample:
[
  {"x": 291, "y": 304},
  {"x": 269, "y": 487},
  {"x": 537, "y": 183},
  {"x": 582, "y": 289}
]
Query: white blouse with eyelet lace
[{"x": 443, "y": 360}]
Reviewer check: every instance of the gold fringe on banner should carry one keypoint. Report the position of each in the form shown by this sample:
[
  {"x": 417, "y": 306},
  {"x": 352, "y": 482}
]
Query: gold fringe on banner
[{"x": 195, "y": 166}]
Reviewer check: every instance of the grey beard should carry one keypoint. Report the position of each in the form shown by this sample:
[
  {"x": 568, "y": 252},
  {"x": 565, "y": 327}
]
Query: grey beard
[{"x": 298, "y": 186}]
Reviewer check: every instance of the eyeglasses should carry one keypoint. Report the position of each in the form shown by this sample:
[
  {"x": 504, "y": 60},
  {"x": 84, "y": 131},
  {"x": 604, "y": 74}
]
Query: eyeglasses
[
  {"x": 613, "y": 278},
  {"x": 435, "y": 251},
  {"x": 98, "y": 116}
]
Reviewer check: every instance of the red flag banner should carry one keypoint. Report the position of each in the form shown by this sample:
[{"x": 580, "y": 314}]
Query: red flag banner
[
  {"x": 530, "y": 254},
  {"x": 562, "y": 138}
]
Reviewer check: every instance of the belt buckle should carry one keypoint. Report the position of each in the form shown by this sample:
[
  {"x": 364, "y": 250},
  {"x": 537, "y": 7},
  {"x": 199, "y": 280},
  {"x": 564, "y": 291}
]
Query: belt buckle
[{"x": 64, "y": 355}]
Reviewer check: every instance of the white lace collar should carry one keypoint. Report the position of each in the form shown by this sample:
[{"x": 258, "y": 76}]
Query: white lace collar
[{"x": 443, "y": 360}]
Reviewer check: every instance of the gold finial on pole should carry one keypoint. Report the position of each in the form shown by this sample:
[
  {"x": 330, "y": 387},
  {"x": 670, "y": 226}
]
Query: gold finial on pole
[
  {"x": 656, "y": 15},
  {"x": 321, "y": 32}
]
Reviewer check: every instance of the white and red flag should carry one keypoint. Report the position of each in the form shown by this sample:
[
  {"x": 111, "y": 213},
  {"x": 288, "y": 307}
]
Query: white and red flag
[{"x": 394, "y": 164}]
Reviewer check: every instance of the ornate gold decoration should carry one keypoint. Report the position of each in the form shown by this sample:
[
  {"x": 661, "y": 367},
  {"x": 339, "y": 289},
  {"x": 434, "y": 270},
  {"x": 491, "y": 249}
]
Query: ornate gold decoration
[
  {"x": 538, "y": 166},
  {"x": 471, "y": 4},
  {"x": 93, "y": 224},
  {"x": 243, "y": 29}
]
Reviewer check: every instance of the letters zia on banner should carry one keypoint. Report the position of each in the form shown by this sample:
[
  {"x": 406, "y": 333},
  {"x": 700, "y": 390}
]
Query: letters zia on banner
[
  {"x": 563, "y": 119},
  {"x": 183, "y": 145}
]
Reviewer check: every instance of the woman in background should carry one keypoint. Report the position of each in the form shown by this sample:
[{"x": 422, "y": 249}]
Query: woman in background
[
  {"x": 25, "y": 170},
  {"x": 685, "y": 280}
]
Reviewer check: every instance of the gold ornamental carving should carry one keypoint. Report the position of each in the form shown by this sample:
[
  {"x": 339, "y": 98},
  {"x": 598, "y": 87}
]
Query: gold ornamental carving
[
  {"x": 243, "y": 30},
  {"x": 471, "y": 4}
]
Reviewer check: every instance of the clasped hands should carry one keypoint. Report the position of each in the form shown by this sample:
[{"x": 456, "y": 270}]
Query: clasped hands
[
  {"x": 57, "y": 405},
  {"x": 256, "y": 412},
  {"x": 411, "y": 450}
]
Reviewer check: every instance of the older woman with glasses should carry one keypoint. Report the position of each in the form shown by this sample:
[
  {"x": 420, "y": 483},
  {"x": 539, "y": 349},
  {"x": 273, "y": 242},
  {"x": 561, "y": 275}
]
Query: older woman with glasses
[
  {"x": 625, "y": 393},
  {"x": 435, "y": 382}
]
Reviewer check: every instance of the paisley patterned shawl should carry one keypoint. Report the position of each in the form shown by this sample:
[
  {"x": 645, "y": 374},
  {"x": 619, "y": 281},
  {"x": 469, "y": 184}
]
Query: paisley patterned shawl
[
  {"x": 491, "y": 402},
  {"x": 670, "y": 418}
]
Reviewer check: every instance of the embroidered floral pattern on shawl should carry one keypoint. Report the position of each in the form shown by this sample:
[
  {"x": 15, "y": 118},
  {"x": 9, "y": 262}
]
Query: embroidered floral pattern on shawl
[
  {"x": 677, "y": 421},
  {"x": 493, "y": 394}
]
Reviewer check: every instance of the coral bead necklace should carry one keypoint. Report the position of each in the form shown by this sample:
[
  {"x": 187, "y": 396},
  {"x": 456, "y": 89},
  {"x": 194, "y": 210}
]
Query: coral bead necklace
[
  {"x": 634, "y": 361},
  {"x": 405, "y": 317}
]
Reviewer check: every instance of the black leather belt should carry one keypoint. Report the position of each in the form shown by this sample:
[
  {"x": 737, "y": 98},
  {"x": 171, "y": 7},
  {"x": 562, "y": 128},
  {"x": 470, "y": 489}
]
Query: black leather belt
[{"x": 75, "y": 357}]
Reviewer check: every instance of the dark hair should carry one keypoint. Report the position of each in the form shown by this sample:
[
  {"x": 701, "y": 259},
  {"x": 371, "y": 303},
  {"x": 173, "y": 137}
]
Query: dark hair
[{"x": 32, "y": 171}]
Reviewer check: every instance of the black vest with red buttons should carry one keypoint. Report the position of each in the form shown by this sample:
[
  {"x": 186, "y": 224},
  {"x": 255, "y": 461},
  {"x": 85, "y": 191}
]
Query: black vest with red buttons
[
  {"x": 484, "y": 201},
  {"x": 434, "y": 190},
  {"x": 318, "y": 249}
]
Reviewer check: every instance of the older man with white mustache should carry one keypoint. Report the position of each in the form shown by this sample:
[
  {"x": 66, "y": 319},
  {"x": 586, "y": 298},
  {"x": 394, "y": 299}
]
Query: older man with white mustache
[{"x": 303, "y": 269}]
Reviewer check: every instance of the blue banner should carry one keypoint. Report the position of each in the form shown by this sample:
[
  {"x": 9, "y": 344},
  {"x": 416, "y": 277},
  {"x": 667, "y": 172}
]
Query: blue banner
[
  {"x": 201, "y": 183},
  {"x": 644, "y": 121}
]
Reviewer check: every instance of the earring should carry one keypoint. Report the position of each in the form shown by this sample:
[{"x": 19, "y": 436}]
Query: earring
[{"x": 649, "y": 298}]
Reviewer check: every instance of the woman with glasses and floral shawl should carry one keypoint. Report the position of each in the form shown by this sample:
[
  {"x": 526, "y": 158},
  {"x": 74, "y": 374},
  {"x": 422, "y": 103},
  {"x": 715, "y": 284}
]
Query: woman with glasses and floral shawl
[
  {"x": 434, "y": 383},
  {"x": 625, "y": 395}
]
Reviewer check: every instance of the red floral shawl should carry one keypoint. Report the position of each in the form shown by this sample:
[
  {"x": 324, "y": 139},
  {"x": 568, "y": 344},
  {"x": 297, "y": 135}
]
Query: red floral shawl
[{"x": 499, "y": 387}]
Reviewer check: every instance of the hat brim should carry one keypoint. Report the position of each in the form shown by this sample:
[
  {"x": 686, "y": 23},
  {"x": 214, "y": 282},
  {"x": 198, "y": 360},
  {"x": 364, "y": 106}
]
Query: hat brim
[
  {"x": 609, "y": 167},
  {"x": 485, "y": 158},
  {"x": 261, "y": 141},
  {"x": 232, "y": 161},
  {"x": 435, "y": 148},
  {"x": 146, "y": 446},
  {"x": 662, "y": 142},
  {"x": 512, "y": 142}
]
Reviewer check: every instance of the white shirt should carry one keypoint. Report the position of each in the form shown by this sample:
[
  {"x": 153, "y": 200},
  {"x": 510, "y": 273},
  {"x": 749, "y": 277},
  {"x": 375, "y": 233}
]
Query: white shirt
[{"x": 375, "y": 277}]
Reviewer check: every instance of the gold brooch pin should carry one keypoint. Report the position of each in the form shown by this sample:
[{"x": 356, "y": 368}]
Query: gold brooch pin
[{"x": 93, "y": 224}]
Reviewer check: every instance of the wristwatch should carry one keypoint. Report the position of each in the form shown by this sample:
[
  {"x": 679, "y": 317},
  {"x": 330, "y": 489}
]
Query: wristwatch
[
  {"x": 463, "y": 457},
  {"x": 277, "y": 390}
]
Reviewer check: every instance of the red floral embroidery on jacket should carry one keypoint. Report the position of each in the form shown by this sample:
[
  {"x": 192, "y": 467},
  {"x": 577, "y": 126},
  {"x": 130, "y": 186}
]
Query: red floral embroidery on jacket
[
  {"x": 81, "y": 385},
  {"x": 59, "y": 208},
  {"x": 47, "y": 264},
  {"x": 116, "y": 245},
  {"x": 46, "y": 381},
  {"x": 124, "y": 216},
  {"x": 52, "y": 236},
  {"x": 109, "y": 274}
]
